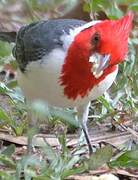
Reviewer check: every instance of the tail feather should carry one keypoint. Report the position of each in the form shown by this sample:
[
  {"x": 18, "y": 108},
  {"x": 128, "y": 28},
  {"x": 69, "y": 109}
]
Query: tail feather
[{"x": 8, "y": 36}]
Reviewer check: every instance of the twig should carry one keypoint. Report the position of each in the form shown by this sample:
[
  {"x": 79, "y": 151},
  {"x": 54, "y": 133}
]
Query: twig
[{"x": 128, "y": 129}]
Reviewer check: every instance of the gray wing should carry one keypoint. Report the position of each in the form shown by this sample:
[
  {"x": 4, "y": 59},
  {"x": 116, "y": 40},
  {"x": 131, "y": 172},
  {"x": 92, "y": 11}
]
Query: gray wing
[{"x": 37, "y": 39}]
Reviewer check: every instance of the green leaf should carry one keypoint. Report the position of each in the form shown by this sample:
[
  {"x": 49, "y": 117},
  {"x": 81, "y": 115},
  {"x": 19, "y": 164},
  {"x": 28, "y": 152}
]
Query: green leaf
[
  {"x": 9, "y": 150},
  {"x": 86, "y": 7},
  {"x": 7, "y": 121},
  {"x": 72, "y": 162},
  {"x": 20, "y": 128},
  {"x": 41, "y": 110},
  {"x": 7, "y": 161},
  {"x": 135, "y": 84},
  {"x": 5, "y": 49},
  {"x": 134, "y": 7},
  {"x": 50, "y": 153},
  {"x": 62, "y": 141},
  {"x": 114, "y": 12},
  {"x": 5, "y": 176},
  {"x": 109, "y": 7},
  {"x": 18, "y": 169},
  {"x": 126, "y": 2},
  {"x": 16, "y": 95},
  {"x": 28, "y": 165},
  {"x": 4, "y": 117},
  {"x": 73, "y": 171},
  {"x": 66, "y": 116},
  {"x": 3, "y": 88},
  {"x": 41, "y": 178},
  {"x": 128, "y": 160},
  {"x": 12, "y": 84},
  {"x": 98, "y": 5},
  {"x": 122, "y": 82},
  {"x": 105, "y": 103},
  {"x": 100, "y": 157},
  {"x": 29, "y": 173}
]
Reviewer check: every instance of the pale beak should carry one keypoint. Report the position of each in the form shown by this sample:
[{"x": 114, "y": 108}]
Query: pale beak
[{"x": 99, "y": 63}]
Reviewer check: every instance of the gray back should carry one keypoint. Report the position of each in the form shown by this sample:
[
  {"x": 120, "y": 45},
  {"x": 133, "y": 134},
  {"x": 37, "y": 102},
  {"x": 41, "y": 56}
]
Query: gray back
[{"x": 38, "y": 39}]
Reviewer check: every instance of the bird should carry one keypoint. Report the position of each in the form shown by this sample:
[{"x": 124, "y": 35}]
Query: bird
[{"x": 69, "y": 62}]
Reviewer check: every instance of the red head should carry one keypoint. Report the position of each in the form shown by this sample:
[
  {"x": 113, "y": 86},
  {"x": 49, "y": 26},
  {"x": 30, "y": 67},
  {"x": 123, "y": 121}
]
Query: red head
[{"x": 94, "y": 53}]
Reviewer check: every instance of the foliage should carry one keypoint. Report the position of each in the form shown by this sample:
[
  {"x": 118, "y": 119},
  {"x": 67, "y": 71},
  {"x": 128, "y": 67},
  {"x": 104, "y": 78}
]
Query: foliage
[
  {"x": 11, "y": 119},
  {"x": 55, "y": 165},
  {"x": 61, "y": 164},
  {"x": 124, "y": 91},
  {"x": 128, "y": 159},
  {"x": 111, "y": 8}
]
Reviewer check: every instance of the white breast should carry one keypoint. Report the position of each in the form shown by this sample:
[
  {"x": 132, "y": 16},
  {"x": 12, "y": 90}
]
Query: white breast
[{"x": 41, "y": 82}]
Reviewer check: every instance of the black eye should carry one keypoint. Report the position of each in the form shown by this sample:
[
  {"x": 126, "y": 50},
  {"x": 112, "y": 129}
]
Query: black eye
[
  {"x": 96, "y": 39},
  {"x": 11, "y": 75},
  {"x": 3, "y": 73}
]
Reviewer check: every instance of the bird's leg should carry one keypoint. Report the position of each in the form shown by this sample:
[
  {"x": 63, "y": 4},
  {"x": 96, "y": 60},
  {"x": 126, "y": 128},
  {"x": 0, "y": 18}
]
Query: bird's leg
[
  {"x": 85, "y": 130},
  {"x": 32, "y": 129},
  {"x": 83, "y": 112},
  {"x": 30, "y": 125}
]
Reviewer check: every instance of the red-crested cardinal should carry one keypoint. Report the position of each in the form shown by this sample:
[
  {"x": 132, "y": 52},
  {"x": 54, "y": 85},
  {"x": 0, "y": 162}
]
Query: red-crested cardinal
[{"x": 68, "y": 62}]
